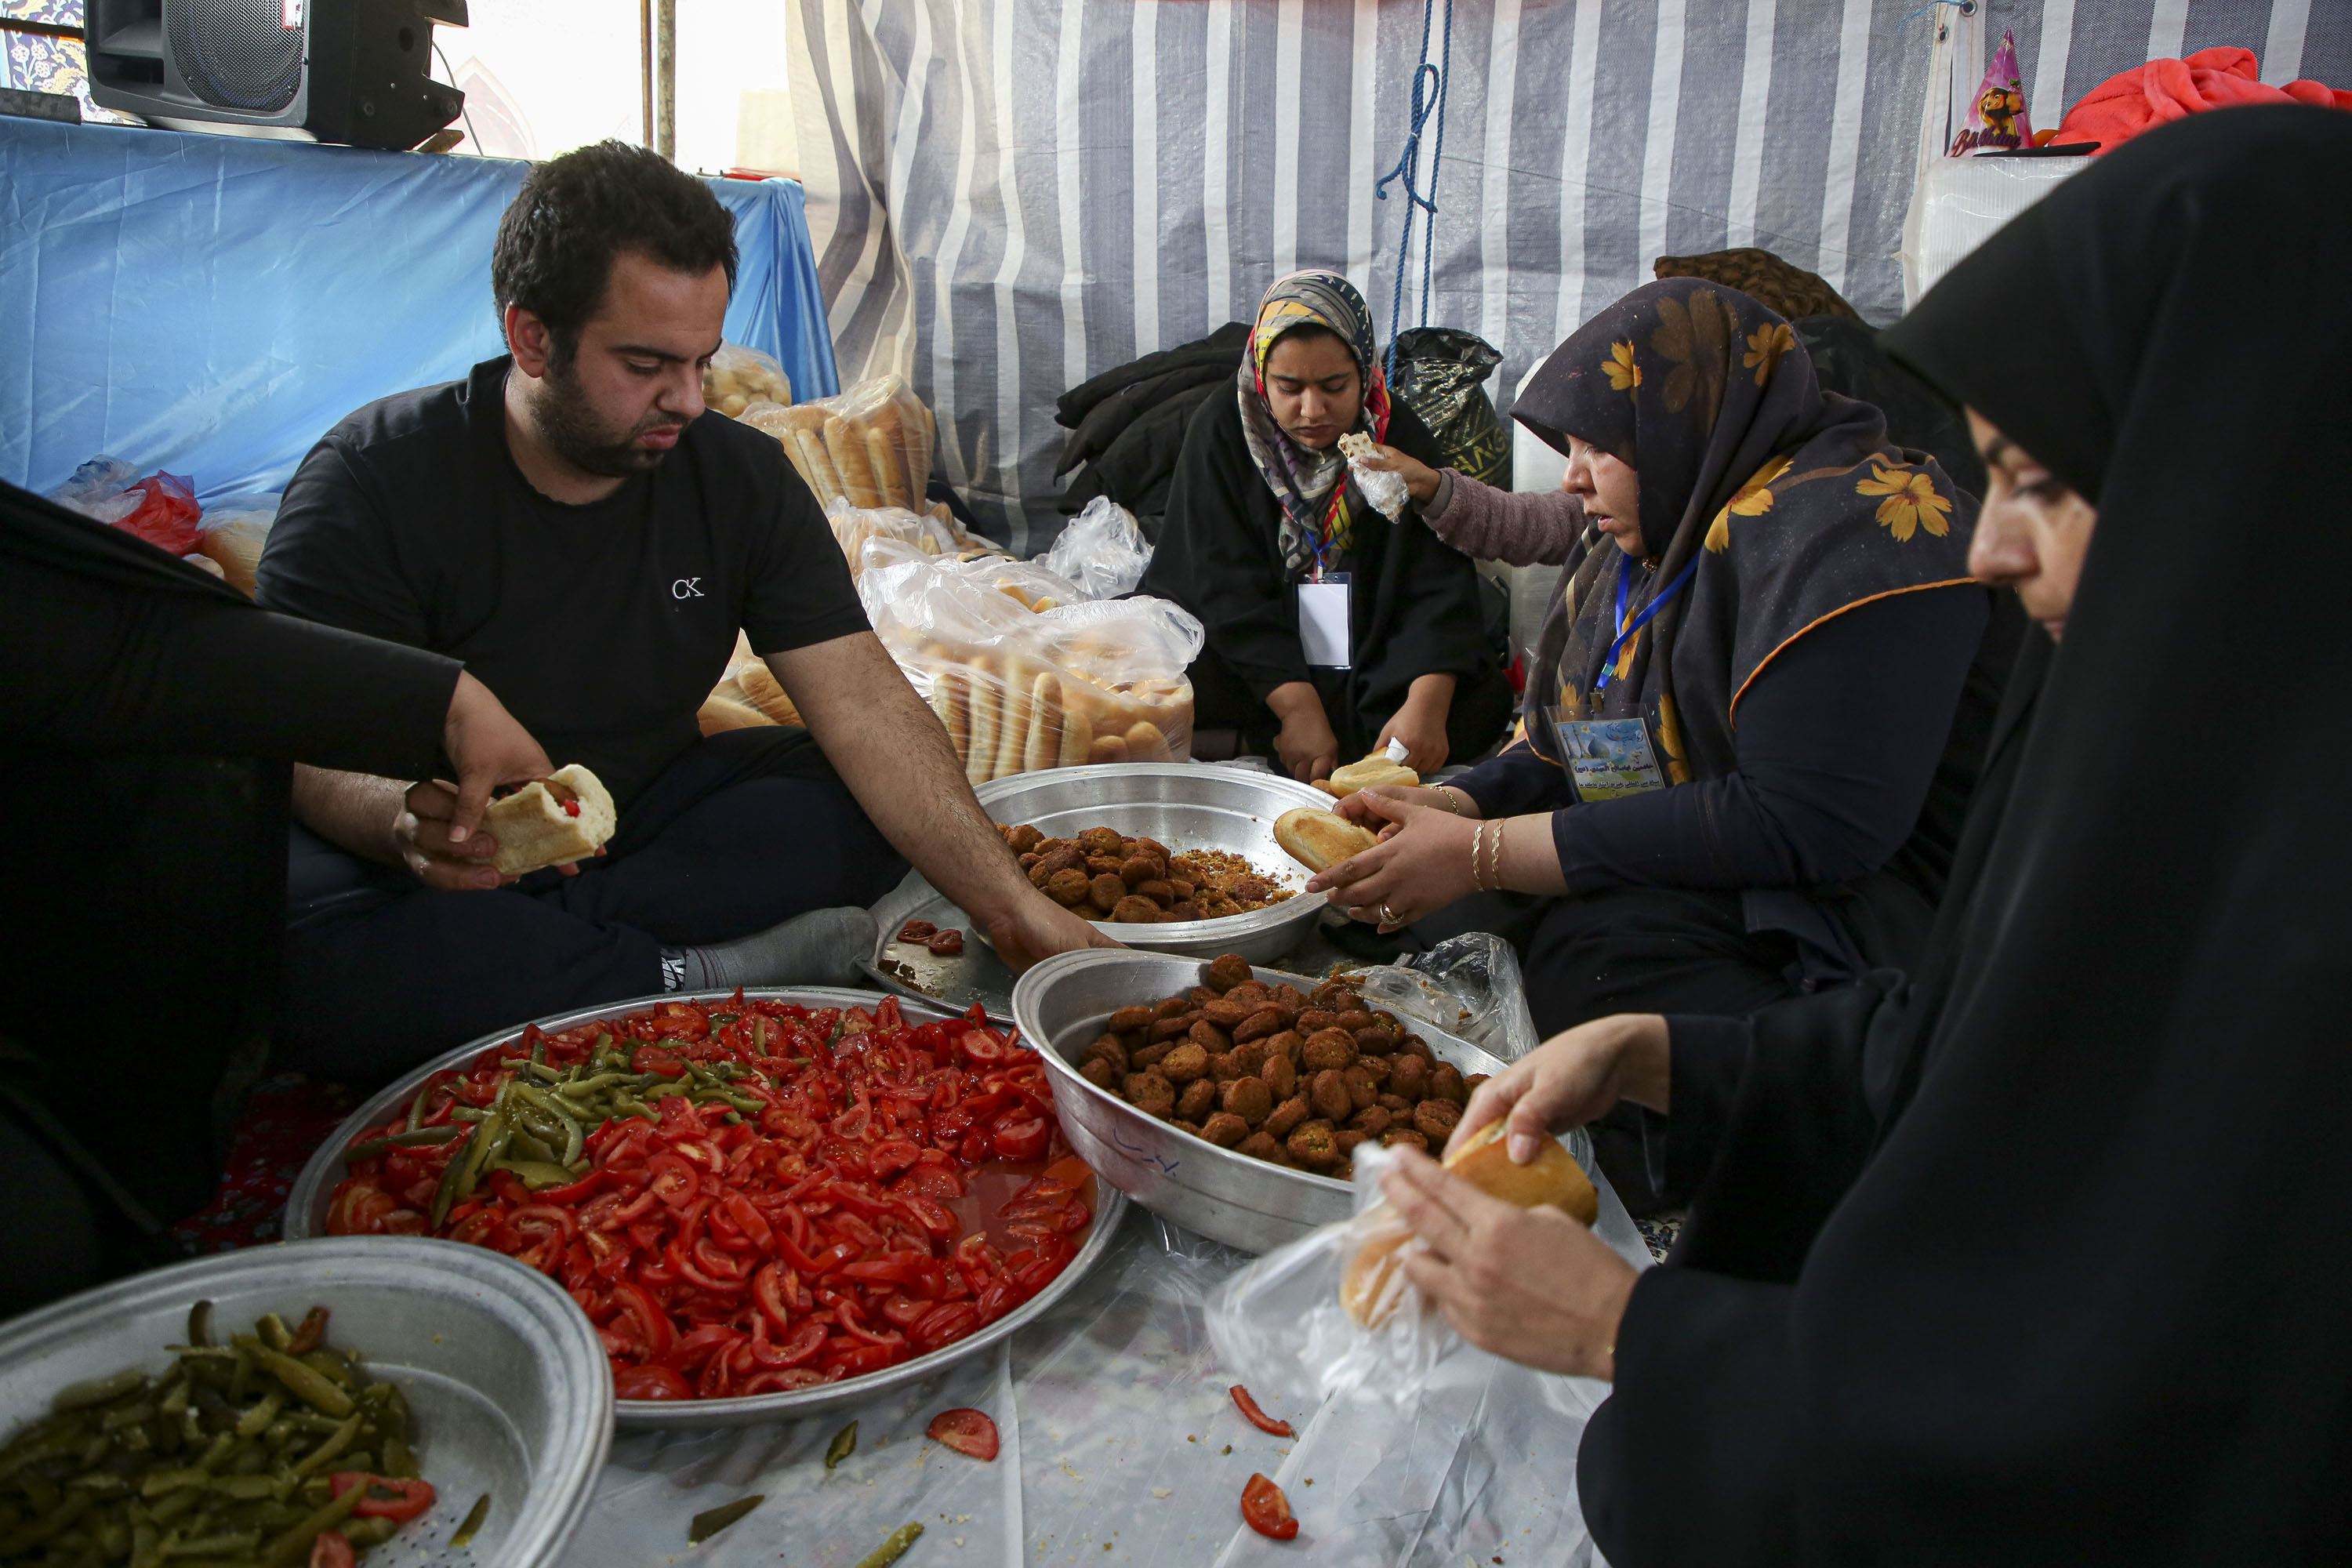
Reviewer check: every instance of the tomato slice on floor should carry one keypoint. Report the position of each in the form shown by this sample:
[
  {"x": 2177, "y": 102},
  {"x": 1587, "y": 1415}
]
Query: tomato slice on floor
[
  {"x": 1266, "y": 1510},
  {"x": 966, "y": 1431},
  {"x": 1259, "y": 1418}
]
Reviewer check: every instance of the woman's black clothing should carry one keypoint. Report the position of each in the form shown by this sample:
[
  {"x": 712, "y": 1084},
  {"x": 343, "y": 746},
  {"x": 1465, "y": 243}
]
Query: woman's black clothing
[
  {"x": 140, "y": 692},
  {"x": 1414, "y": 602},
  {"x": 2040, "y": 1258}
]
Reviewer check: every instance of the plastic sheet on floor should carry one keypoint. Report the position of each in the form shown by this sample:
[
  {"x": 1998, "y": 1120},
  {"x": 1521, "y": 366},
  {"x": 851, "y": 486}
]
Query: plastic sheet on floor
[{"x": 1120, "y": 1445}]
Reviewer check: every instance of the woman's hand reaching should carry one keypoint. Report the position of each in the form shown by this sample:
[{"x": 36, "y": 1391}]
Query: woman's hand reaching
[
  {"x": 1420, "y": 479},
  {"x": 1572, "y": 1079},
  {"x": 1421, "y": 865}
]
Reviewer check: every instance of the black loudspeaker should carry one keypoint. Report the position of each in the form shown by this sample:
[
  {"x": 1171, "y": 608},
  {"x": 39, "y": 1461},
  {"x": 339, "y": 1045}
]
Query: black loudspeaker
[{"x": 354, "y": 71}]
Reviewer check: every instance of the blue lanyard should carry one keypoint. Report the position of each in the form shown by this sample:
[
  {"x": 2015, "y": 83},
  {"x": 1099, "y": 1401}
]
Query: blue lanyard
[{"x": 1625, "y": 577}]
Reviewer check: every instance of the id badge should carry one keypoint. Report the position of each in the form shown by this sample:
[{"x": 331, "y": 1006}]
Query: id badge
[
  {"x": 1323, "y": 623},
  {"x": 1608, "y": 759}
]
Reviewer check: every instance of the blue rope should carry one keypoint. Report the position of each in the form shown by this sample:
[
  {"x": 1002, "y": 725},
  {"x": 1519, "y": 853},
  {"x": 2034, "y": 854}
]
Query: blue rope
[{"x": 1429, "y": 85}]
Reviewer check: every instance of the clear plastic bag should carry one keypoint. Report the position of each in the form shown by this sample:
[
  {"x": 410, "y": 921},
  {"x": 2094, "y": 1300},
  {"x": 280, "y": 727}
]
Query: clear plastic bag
[
  {"x": 1282, "y": 1321},
  {"x": 740, "y": 375},
  {"x": 1025, "y": 678},
  {"x": 853, "y": 526},
  {"x": 1383, "y": 488},
  {"x": 96, "y": 489},
  {"x": 1467, "y": 985},
  {"x": 1101, "y": 550},
  {"x": 747, "y": 696}
]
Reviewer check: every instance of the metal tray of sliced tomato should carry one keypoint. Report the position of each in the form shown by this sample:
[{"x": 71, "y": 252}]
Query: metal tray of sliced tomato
[{"x": 768, "y": 1204}]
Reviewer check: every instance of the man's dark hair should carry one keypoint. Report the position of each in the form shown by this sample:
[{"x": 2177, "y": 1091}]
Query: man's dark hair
[{"x": 573, "y": 214}]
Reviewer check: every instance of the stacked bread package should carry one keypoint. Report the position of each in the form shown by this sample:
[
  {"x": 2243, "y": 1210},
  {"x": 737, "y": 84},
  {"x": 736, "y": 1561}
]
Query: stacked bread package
[
  {"x": 870, "y": 446},
  {"x": 737, "y": 377},
  {"x": 853, "y": 526},
  {"x": 1023, "y": 671}
]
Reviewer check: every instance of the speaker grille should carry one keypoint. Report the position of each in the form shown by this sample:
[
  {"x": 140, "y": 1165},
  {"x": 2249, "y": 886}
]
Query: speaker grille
[{"x": 236, "y": 54}]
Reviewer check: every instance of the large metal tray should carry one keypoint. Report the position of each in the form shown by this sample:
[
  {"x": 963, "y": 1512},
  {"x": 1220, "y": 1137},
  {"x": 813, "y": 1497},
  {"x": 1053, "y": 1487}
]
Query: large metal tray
[
  {"x": 306, "y": 1216},
  {"x": 505, "y": 1379},
  {"x": 1061, "y": 1004}
]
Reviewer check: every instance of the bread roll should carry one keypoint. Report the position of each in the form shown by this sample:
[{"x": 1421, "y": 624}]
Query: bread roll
[
  {"x": 766, "y": 692},
  {"x": 846, "y": 443},
  {"x": 1375, "y": 769},
  {"x": 1013, "y": 718},
  {"x": 720, "y": 714},
  {"x": 1145, "y": 744},
  {"x": 951, "y": 701},
  {"x": 1107, "y": 749},
  {"x": 808, "y": 455},
  {"x": 1077, "y": 737},
  {"x": 980, "y": 762},
  {"x": 1044, "y": 749},
  {"x": 549, "y": 821},
  {"x": 1320, "y": 840},
  {"x": 889, "y": 471},
  {"x": 1372, "y": 1285}
]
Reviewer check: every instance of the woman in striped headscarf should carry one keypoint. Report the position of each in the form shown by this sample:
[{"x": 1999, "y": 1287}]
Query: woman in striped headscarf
[{"x": 1264, "y": 525}]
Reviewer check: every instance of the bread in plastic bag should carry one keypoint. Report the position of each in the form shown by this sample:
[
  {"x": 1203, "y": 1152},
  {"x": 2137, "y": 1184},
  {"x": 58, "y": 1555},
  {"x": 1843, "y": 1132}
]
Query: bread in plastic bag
[
  {"x": 740, "y": 375},
  {"x": 853, "y": 526},
  {"x": 1022, "y": 672},
  {"x": 234, "y": 533},
  {"x": 1102, "y": 549},
  {"x": 871, "y": 445},
  {"x": 1383, "y": 488}
]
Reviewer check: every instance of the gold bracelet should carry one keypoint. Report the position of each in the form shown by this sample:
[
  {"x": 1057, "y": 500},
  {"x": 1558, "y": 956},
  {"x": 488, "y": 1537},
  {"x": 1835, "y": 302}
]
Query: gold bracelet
[
  {"x": 1477, "y": 844},
  {"x": 1444, "y": 793},
  {"x": 1495, "y": 854}
]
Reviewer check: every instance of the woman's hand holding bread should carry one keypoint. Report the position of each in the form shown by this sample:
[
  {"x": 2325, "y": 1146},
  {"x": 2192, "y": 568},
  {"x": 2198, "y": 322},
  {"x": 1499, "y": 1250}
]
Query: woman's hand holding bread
[
  {"x": 1531, "y": 1285},
  {"x": 1421, "y": 867}
]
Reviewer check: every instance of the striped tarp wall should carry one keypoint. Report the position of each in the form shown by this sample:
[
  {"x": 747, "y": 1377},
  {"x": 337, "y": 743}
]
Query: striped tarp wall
[{"x": 1010, "y": 196}]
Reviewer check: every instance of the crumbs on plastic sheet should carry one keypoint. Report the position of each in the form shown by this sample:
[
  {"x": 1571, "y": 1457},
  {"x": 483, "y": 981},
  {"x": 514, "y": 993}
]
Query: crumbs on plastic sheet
[{"x": 1161, "y": 1491}]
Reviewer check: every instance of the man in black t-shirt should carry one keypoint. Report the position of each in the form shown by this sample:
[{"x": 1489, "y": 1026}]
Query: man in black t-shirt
[{"x": 572, "y": 523}]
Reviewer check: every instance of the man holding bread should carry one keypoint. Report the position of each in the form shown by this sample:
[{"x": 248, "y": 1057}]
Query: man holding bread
[{"x": 568, "y": 522}]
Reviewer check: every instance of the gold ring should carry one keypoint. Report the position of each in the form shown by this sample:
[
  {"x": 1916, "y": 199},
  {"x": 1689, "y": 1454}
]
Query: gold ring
[{"x": 1389, "y": 915}]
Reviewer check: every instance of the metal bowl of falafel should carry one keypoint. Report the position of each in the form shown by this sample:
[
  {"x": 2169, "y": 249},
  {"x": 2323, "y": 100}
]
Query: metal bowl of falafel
[
  {"x": 1161, "y": 829},
  {"x": 1228, "y": 1098}
]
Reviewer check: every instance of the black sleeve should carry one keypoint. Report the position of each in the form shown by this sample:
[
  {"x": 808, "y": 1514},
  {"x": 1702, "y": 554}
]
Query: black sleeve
[
  {"x": 332, "y": 557},
  {"x": 1692, "y": 1458},
  {"x": 1838, "y": 740},
  {"x": 1514, "y": 781},
  {"x": 101, "y": 667},
  {"x": 1217, "y": 556},
  {"x": 799, "y": 591},
  {"x": 1706, "y": 1059}
]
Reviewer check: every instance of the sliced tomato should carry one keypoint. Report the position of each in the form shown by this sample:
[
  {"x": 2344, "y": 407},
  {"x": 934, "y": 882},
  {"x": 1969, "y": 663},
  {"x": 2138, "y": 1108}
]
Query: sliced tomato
[
  {"x": 333, "y": 1549},
  {"x": 650, "y": 1382},
  {"x": 409, "y": 1499},
  {"x": 1266, "y": 1510},
  {"x": 966, "y": 1431},
  {"x": 1019, "y": 1135}
]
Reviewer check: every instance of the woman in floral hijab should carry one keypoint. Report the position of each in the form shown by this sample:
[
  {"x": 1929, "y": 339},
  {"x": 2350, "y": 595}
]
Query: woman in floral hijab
[
  {"x": 1264, "y": 504},
  {"x": 1757, "y": 703}
]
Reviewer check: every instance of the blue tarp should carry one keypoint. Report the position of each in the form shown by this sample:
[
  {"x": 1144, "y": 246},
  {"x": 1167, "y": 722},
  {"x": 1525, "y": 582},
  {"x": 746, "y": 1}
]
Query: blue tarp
[{"x": 212, "y": 304}]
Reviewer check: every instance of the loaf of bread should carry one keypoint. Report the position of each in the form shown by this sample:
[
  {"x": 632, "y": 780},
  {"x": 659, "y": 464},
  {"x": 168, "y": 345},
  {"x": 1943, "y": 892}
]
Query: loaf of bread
[
  {"x": 1320, "y": 840},
  {"x": 566, "y": 816},
  {"x": 1375, "y": 769},
  {"x": 1372, "y": 1285}
]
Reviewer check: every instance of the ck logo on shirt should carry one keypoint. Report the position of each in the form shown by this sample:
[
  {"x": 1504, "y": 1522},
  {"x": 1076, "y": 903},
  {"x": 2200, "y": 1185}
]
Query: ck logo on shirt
[{"x": 687, "y": 588}]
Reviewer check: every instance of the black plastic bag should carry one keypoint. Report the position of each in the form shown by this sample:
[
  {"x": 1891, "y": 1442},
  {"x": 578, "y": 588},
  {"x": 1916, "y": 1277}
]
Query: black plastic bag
[{"x": 1438, "y": 374}]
